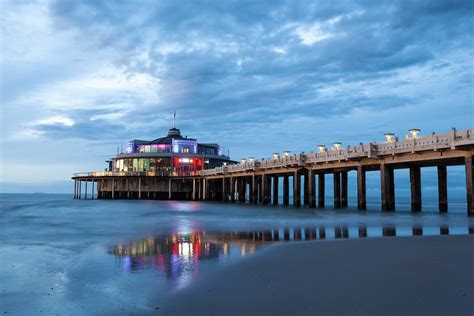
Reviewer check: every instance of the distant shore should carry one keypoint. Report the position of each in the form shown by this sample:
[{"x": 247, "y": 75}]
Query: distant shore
[{"x": 380, "y": 276}]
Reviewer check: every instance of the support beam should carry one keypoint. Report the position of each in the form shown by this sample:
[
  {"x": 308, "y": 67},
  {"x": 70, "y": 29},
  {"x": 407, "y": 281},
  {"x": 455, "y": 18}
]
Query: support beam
[
  {"x": 415, "y": 186},
  {"x": 253, "y": 190},
  {"x": 194, "y": 189},
  {"x": 344, "y": 189},
  {"x": 469, "y": 185},
  {"x": 204, "y": 189},
  {"x": 92, "y": 192},
  {"x": 337, "y": 190},
  {"x": 286, "y": 189},
  {"x": 224, "y": 190},
  {"x": 361, "y": 189},
  {"x": 232, "y": 189},
  {"x": 139, "y": 188},
  {"x": 275, "y": 190},
  {"x": 296, "y": 189},
  {"x": 306, "y": 188},
  {"x": 387, "y": 184},
  {"x": 311, "y": 189},
  {"x": 266, "y": 189},
  {"x": 113, "y": 188},
  {"x": 442, "y": 189},
  {"x": 75, "y": 189},
  {"x": 85, "y": 195},
  {"x": 170, "y": 193},
  {"x": 321, "y": 189}
]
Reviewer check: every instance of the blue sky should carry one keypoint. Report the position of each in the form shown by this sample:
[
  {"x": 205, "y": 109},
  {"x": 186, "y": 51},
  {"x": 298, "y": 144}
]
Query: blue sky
[{"x": 79, "y": 78}]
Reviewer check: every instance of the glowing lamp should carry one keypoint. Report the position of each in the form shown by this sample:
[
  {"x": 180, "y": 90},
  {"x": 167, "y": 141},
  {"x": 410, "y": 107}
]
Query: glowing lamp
[
  {"x": 243, "y": 161},
  {"x": 286, "y": 153},
  {"x": 337, "y": 145},
  {"x": 322, "y": 148},
  {"x": 388, "y": 137},
  {"x": 414, "y": 132},
  {"x": 276, "y": 156},
  {"x": 225, "y": 164},
  {"x": 251, "y": 159}
]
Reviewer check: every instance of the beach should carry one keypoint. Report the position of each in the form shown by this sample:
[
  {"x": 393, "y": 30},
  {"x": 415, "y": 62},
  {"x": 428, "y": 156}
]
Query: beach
[{"x": 381, "y": 276}]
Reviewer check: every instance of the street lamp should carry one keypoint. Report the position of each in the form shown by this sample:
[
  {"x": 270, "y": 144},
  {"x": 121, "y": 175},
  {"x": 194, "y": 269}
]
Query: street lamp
[
  {"x": 322, "y": 148},
  {"x": 337, "y": 145},
  {"x": 388, "y": 137},
  {"x": 251, "y": 159},
  {"x": 276, "y": 156},
  {"x": 242, "y": 161},
  {"x": 414, "y": 132},
  {"x": 286, "y": 153}
]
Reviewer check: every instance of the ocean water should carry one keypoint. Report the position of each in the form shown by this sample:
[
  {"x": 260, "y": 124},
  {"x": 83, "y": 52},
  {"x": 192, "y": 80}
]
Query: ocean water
[{"x": 80, "y": 257}]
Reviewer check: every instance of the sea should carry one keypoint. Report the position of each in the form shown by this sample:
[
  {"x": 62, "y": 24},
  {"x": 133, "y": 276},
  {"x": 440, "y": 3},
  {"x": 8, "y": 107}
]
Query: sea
[{"x": 61, "y": 256}]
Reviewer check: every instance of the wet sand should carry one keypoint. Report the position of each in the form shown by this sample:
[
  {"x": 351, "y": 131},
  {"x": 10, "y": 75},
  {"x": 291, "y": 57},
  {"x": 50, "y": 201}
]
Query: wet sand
[{"x": 380, "y": 276}]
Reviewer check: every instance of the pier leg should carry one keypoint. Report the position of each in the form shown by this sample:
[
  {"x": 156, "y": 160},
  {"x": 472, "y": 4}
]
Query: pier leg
[
  {"x": 469, "y": 185},
  {"x": 85, "y": 194},
  {"x": 170, "y": 194},
  {"x": 391, "y": 188},
  {"x": 113, "y": 188},
  {"x": 321, "y": 189},
  {"x": 415, "y": 185},
  {"x": 286, "y": 190},
  {"x": 442, "y": 189},
  {"x": 337, "y": 190},
  {"x": 266, "y": 183},
  {"x": 253, "y": 190},
  {"x": 361, "y": 189},
  {"x": 275, "y": 190},
  {"x": 194, "y": 190},
  {"x": 306, "y": 188},
  {"x": 75, "y": 188},
  {"x": 204, "y": 189},
  {"x": 311, "y": 189},
  {"x": 139, "y": 188},
  {"x": 92, "y": 192},
  {"x": 296, "y": 189},
  {"x": 386, "y": 178},
  {"x": 344, "y": 189},
  {"x": 232, "y": 190}
]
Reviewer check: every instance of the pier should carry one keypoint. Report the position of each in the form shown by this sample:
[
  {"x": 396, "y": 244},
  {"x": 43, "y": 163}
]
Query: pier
[{"x": 257, "y": 181}]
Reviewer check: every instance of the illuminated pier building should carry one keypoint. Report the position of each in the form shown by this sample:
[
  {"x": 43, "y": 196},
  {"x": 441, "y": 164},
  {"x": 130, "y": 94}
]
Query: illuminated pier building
[{"x": 172, "y": 155}]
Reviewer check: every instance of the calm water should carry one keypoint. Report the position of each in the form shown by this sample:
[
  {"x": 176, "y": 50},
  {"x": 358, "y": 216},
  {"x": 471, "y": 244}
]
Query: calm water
[{"x": 65, "y": 256}]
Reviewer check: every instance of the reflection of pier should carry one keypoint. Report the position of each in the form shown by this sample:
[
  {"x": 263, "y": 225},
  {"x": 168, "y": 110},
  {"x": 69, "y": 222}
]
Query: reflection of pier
[
  {"x": 258, "y": 180},
  {"x": 179, "y": 254}
]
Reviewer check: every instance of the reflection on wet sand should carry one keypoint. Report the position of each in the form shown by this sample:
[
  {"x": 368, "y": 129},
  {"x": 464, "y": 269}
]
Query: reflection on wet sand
[{"x": 178, "y": 255}]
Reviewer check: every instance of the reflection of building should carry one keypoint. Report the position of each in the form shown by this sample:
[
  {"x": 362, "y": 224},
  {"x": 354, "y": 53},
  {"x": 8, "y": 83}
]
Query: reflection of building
[{"x": 172, "y": 154}]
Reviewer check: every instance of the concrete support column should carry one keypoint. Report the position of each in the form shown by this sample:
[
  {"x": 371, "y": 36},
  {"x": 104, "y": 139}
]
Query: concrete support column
[
  {"x": 113, "y": 188},
  {"x": 75, "y": 189},
  {"x": 92, "y": 192},
  {"x": 361, "y": 189},
  {"x": 415, "y": 185},
  {"x": 170, "y": 193},
  {"x": 232, "y": 189},
  {"x": 321, "y": 189},
  {"x": 387, "y": 188},
  {"x": 275, "y": 190},
  {"x": 253, "y": 190},
  {"x": 442, "y": 189},
  {"x": 85, "y": 195},
  {"x": 311, "y": 188},
  {"x": 204, "y": 188},
  {"x": 469, "y": 185},
  {"x": 296, "y": 189},
  {"x": 193, "y": 196},
  {"x": 259, "y": 183},
  {"x": 266, "y": 189},
  {"x": 344, "y": 200},
  {"x": 306, "y": 188},
  {"x": 139, "y": 188},
  {"x": 337, "y": 189},
  {"x": 286, "y": 189}
]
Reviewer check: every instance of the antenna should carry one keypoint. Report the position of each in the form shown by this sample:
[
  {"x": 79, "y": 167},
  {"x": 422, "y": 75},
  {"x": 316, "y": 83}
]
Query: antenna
[{"x": 174, "y": 119}]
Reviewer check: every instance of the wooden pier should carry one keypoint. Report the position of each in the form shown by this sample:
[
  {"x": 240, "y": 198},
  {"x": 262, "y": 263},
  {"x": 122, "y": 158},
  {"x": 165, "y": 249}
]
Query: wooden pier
[{"x": 257, "y": 181}]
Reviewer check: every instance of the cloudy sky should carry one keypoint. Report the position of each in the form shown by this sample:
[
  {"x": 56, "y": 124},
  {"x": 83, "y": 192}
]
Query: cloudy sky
[{"x": 79, "y": 78}]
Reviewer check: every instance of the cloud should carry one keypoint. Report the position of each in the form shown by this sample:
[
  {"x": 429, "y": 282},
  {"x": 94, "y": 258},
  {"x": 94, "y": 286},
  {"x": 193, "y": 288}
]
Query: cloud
[{"x": 255, "y": 76}]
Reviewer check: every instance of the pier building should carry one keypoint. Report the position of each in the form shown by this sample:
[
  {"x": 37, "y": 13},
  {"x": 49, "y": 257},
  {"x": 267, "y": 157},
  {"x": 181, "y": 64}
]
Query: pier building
[{"x": 257, "y": 181}]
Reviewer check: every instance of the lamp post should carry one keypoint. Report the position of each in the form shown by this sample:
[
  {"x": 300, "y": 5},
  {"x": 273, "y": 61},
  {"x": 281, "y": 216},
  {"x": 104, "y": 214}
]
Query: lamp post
[
  {"x": 286, "y": 153},
  {"x": 337, "y": 145},
  {"x": 414, "y": 132},
  {"x": 322, "y": 148},
  {"x": 276, "y": 156},
  {"x": 388, "y": 137}
]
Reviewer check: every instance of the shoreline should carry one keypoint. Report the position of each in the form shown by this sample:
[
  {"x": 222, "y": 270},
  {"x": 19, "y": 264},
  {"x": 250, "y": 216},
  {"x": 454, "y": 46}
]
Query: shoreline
[{"x": 428, "y": 275}]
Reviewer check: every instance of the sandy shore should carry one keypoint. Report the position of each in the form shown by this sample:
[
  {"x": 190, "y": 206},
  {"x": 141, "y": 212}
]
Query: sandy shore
[{"x": 387, "y": 276}]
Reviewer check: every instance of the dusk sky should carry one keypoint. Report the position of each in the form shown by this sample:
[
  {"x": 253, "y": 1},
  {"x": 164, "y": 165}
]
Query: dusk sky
[{"x": 80, "y": 78}]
